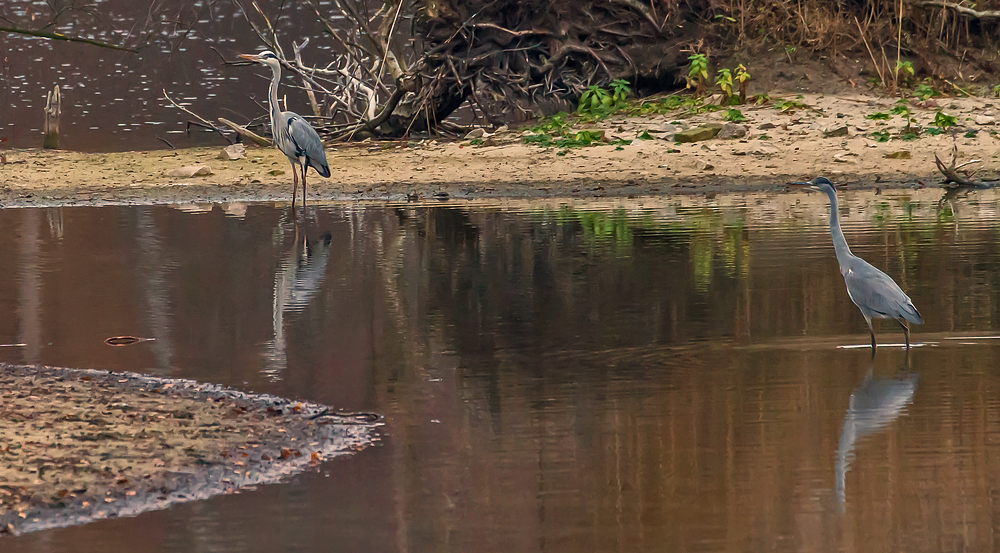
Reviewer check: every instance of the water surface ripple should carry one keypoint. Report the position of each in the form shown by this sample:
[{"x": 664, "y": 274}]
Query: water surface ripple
[{"x": 665, "y": 374}]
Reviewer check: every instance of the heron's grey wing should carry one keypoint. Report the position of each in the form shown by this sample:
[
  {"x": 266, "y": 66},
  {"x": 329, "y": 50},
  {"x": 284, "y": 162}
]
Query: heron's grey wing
[
  {"x": 306, "y": 141},
  {"x": 877, "y": 294}
]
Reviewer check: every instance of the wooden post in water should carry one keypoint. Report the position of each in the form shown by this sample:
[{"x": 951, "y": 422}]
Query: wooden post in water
[{"x": 52, "y": 112}]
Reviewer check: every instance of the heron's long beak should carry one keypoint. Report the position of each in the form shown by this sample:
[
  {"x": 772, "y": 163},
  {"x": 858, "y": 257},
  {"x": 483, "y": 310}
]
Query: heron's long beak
[{"x": 251, "y": 57}]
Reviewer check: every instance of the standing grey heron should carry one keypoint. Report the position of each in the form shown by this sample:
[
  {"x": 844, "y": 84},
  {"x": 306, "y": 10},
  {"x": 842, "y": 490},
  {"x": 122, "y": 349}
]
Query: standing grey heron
[
  {"x": 293, "y": 135},
  {"x": 874, "y": 292}
]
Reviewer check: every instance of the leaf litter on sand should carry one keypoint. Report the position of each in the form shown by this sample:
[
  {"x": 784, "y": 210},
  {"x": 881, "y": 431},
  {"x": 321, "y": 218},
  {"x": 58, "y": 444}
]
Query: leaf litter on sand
[{"x": 78, "y": 445}]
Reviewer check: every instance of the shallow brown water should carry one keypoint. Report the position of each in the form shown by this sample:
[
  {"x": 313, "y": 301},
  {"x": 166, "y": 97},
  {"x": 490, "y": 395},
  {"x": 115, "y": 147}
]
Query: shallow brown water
[{"x": 652, "y": 375}]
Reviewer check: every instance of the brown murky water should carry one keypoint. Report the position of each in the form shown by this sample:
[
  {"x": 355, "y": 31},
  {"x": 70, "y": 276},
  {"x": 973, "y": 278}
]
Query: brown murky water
[{"x": 650, "y": 375}]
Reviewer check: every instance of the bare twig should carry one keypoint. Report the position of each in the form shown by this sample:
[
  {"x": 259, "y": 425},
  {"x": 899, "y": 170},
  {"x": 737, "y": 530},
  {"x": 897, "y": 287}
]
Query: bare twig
[
  {"x": 958, "y": 8},
  {"x": 208, "y": 124},
  {"x": 59, "y": 36}
]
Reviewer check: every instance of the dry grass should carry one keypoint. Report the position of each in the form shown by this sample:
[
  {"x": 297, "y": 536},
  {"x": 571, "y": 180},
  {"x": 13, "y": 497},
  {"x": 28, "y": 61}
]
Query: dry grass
[{"x": 894, "y": 29}]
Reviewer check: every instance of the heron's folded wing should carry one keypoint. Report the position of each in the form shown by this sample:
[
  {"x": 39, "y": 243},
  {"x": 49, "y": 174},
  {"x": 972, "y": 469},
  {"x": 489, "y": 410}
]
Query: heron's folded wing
[{"x": 875, "y": 291}]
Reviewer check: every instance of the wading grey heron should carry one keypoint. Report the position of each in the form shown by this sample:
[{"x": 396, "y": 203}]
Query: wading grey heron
[
  {"x": 874, "y": 292},
  {"x": 293, "y": 135}
]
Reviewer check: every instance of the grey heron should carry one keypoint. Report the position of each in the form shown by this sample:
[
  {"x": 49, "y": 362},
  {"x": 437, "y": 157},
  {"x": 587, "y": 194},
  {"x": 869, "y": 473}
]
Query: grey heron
[
  {"x": 293, "y": 135},
  {"x": 874, "y": 292}
]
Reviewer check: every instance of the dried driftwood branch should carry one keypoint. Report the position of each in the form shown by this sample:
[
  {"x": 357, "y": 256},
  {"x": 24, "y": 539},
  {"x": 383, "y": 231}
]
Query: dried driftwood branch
[{"x": 951, "y": 177}]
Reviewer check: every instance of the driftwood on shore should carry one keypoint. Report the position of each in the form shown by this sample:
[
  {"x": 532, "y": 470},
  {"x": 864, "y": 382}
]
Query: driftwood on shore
[{"x": 950, "y": 172}]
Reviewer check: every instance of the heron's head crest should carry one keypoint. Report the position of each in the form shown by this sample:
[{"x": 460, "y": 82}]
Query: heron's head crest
[{"x": 263, "y": 57}]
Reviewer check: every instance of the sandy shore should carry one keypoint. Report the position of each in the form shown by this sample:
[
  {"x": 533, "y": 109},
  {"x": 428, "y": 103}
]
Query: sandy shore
[
  {"x": 84, "y": 445},
  {"x": 780, "y": 145}
]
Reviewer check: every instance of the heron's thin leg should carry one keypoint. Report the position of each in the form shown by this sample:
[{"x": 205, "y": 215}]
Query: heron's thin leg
[
  {"x": 295, "y": 186},
  {"x": 872, "y": 330},
  {"x": 906, "y": 332},
  {"x": 304, "y": 168}
]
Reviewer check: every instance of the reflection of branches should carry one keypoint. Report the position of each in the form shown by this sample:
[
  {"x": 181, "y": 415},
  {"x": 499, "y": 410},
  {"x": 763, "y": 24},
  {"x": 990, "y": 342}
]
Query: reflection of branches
[{"x": 59, "y": 36}]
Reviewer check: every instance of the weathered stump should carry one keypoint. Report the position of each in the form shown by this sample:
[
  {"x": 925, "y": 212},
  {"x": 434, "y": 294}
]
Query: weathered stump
[{"x": 52, "y": 112}]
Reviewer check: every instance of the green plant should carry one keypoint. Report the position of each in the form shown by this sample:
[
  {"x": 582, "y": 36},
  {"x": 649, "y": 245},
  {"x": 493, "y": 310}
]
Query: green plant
[
  {"x": 943, "y": 120},
  {"x": 734, "y": 115},
  {"x": 904, "y": 68},
  {"x": 881, "y": 136},
  {"x": 909, "y": 136},
  {"x": 620, "y": 92},
  {"x": 789, "y": 106},
  {"x": 996, "y": 90},
  {"x": 697, "y": 73},
  {"x": 878, "y": 116},
  {"x": 902, "y": 109},
  {"x": 790, "y": 51},
  {"x": 645, "y": 136},
  {"x": 476, "y": 142},
  {"x": 594, "y": 100},
  {"x": 971, "y": 133},
  {"x": 933, "y": 131},
  {"x": 743, "y": 77},
  {"x": 725, "y": 82},
  {"x": 553, "y": 124},
  {"x": 761, "y": 99},
  {"x": 925, "y": 91}
]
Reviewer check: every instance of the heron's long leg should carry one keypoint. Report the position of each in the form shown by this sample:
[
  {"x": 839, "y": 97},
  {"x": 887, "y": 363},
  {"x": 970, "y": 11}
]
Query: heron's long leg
[
  {"x": 295, "y": 186},
  {"x": 906, "y": 332},
  {"x": 872, "y": 330},
  {"x": 304, "y": 168}
]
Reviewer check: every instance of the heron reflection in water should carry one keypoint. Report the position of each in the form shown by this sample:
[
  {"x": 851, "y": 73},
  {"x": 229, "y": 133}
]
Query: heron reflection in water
[
  {"x": 874, "y": 404},
  {"x": 297, "y": 281}
]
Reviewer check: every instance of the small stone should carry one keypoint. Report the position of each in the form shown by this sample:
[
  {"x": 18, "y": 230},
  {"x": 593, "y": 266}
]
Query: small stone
[
  {"x": 861, "y": 128},
  {"x": 732, "y": 130},
  {"x": 709, "y": 147},
  {"x": 275, "y": 172},
  {"x": 475, "y": 133},
  {"x": 233, "y": 152},
  {"x": 694, "y": 134},
  {"x": 191, "y": 171},
  {"x": 764, "y": 150},
  {"x": 703, "y": 165},
  {"x": 901, "y": 154},
  {"x": 766, "y": 126},
  {"x": 503, "y": 128},
  {"x": 985, "y": 119},
  {"x": 835, "y": 131}
]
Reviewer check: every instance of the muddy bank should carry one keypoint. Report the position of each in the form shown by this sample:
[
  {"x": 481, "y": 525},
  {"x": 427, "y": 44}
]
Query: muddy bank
[
  {"x": 81, "y": 445},
  {"x": 829, "y": 135}
]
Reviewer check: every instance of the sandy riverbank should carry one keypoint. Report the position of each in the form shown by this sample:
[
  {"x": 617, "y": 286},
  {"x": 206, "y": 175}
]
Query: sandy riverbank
[{"x": 779, "y": 146}]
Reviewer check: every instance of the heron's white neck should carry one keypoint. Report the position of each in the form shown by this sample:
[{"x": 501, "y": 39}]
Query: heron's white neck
[
  {"x": 839, "y": 242},
  {"x": 275, "y": 110}
]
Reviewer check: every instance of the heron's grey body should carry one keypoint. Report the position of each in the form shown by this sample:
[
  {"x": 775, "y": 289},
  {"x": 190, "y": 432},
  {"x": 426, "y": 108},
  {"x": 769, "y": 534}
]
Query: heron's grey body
[
  {"x": 293, "y": 135},
  {"x": 874, "y": 292}
]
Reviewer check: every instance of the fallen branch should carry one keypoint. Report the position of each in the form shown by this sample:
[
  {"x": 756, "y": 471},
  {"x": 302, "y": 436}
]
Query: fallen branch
[
  {"x": 958, "y": 8},
  {"x": 59, "y": 36},
  {"x": 245, "y": 132},
  {"x": 208, "y": 124},
  {"x": 950, "y": 172}
]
